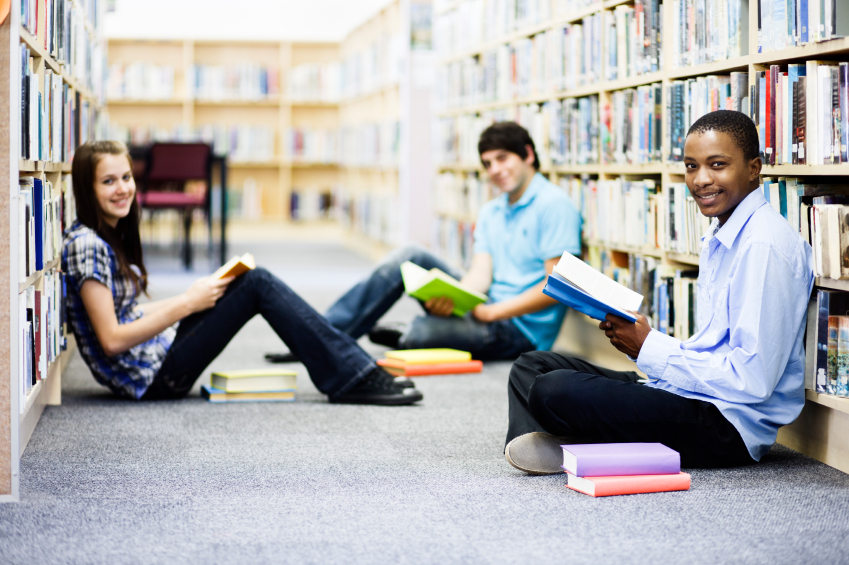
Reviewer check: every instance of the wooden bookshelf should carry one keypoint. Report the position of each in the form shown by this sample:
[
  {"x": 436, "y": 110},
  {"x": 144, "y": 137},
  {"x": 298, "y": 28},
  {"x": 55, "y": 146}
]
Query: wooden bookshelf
[
  {"x": 824, "y": 424},
  {"x": 19, "y": 411}
]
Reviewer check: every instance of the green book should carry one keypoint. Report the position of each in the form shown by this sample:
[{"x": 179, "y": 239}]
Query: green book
[{"x": 424, "y": 285}]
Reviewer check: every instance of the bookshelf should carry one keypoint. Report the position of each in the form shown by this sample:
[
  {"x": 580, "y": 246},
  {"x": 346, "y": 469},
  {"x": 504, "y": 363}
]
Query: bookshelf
[
  {"x": 344, "y": 128},
  {"x": 494, "y": 66},
  {"x": 70, "y": 73}
]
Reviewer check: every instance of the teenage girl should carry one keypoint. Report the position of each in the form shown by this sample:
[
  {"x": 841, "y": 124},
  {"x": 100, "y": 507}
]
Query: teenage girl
[{"x": 159, "y": 349}]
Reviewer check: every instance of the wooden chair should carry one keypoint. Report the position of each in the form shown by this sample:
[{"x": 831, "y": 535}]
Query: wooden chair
[{"x": 168, "y": 167}]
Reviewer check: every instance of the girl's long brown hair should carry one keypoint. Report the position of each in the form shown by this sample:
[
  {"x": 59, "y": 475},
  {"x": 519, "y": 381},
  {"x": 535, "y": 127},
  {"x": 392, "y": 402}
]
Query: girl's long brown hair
[{"x": 124, "y": 238}]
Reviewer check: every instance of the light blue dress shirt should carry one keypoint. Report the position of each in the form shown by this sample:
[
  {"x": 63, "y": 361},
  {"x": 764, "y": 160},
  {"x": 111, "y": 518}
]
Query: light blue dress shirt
[
  {"x": 747, "y": 357},
  {"x": 520, "y": 237}
]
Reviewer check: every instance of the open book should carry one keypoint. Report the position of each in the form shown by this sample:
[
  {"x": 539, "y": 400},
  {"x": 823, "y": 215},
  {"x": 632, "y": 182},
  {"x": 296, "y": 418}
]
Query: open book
[
  {"x": 424, "y": 285},
  {"x": 235, "y": 266},
  {"x": 581, "y": 287}
]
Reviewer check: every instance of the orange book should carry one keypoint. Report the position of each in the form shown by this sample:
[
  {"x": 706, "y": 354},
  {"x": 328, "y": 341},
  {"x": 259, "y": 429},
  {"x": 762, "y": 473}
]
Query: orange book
[
  {"x": 235, "y": 266},
  {"x": 402, "y": 369},
  {"x": 632, "y": 484}
]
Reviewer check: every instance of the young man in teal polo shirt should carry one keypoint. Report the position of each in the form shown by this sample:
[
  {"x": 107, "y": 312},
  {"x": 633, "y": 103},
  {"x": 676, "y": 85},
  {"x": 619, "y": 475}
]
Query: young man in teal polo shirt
[{"x": 519, "y": 237}]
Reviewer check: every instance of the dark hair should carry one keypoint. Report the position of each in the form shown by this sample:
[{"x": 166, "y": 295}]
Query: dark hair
[
  {"x": 737, "y": 125},
  {"x": 508, "y": 136},
  {"x": 124, "y": 238}
]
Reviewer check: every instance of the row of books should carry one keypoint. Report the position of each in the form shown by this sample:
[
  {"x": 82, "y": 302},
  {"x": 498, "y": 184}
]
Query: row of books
[
  {"x": 704, "y": 32},
  {"x": 371, "y": 214},
  {"x": 473, "y": 22},
  {"x": 573, "y": 131},
  {"x": 242, "y": 142},
  {"x": 632, "y": 125},
  {"x": 263, "y": 385},
  {"x": 824, "y": 220},
  {"x": 60, "y": 27},
  {"x": 47, "y": 114},
  {"x": 41, "y": 222},
  {"x": 361, "y": 73},
  {"x": 426, "y": 362},
  {"x": 242, "y": 81},
  {"x": 309, "y": 204},
  {"x": 453, "y": 240},
  {"x": 370, "y": 145},
  {"x": 41, "y": 331},
  {"x": 140, "y": 81},
  {"x": 802, "y": 113},
  {"x": 633, "y": 40},
  {"x": 460, "y": 195},
  {"x": 787, "y": 23},
  {"x": 827, "y": 361},
  {"x": 311, "y": 145}
]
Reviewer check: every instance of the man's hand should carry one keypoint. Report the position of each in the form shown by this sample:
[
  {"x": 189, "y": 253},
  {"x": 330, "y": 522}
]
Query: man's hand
[
  {"x": 440, "y": 306},
  {"x": 625, "y": 336},
  {"x": 485, "y": 313}
]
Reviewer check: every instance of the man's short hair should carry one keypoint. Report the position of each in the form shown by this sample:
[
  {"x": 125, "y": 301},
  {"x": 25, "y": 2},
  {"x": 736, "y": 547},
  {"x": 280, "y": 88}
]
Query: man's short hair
[
  {"x": 737, "y": 125},
  {"x": 508, "y": 136}
]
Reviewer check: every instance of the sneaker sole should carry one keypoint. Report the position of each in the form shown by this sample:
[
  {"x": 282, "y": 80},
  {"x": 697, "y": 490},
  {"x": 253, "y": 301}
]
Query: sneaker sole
[
  {"x": 381, "y": 400},
  {"x": 536, "y": 453}
]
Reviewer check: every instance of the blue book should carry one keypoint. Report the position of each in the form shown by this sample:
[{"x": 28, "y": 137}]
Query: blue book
[
  {"x": 766, "y": 186},
  {"x": 38, "y": 217},
  {"x": 563, "y": 291},
  {"x": 218, "y": 395},
  {"x": 782, "y": 197},
  {"x": 803, "y": 20}
]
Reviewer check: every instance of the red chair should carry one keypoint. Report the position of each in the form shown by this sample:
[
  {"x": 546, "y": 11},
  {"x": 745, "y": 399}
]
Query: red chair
[{"x": 169, "y": 166}]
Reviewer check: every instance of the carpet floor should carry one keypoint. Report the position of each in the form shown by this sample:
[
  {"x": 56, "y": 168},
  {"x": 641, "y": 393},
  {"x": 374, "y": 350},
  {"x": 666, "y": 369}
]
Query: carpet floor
[{"x": 107, "y": 481}]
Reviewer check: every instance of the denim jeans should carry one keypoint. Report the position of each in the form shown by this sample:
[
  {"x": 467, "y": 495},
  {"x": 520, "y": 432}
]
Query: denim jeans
[
  {"x": 358, "y": 310},
  {"x": 334, "y": 361}
]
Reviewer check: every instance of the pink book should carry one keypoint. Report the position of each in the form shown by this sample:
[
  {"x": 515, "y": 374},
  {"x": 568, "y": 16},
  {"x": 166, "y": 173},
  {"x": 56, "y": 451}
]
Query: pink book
[
  {"x": 604, "y": 459},
  {"x": 633, "y": 484}
]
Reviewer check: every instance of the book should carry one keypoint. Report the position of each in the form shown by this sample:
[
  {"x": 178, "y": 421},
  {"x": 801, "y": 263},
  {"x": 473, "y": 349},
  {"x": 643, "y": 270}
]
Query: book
[
  {"x": 425, "y": 284},
  {"x": 420, "y": 356},
  {"x": 217, "y": 395},
  {"x": 842, "y": 386},
  {"x": 603, "y": 459},
  {"x": 571, "y": 279},
  {"x": 235, "y": 266},
  {"x": 255, "y": 380},
  {"x": 402, "y": 369},
  {"x": 634, "y": 484},
  {"x": 831, "y": 372}
]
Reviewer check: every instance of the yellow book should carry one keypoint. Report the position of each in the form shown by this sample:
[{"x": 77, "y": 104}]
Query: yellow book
[
  {"x": 262, "y": 380},
  {"x": 429, "y": 355},
  {"x": 235, "y": 266}
]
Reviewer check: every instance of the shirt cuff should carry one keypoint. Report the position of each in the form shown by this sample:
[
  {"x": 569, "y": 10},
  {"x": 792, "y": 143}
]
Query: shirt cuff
[{"x": 655, "y": 353}]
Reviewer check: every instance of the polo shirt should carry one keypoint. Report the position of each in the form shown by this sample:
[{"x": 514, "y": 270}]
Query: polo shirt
[{"x": 520, "y": 237}]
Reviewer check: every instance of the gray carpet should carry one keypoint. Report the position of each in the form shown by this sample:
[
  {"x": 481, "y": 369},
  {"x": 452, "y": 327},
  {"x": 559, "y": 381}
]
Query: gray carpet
[{"x": 110, "y": 481}]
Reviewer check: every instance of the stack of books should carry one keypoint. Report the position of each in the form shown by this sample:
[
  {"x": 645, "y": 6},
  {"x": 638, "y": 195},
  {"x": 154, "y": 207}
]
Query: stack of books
[
  {"x": 420, "y": 362},
  {"x": 607, "y": 469},
  {"x": 268, "y": 385}
]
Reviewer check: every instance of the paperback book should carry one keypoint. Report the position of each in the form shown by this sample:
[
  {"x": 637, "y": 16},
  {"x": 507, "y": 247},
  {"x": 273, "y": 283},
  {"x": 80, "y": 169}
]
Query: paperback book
[
  {"x": 604, "y": 459},
  {"x": 633, "y": 484},
  {"x": 264, "y": 380},
  {"x": 425, "y": 284}
]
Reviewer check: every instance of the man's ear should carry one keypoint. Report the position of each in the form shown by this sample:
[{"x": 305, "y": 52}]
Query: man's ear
[
  {"x": 531, "y": 155},
  {"x": 755, "y": 166}
]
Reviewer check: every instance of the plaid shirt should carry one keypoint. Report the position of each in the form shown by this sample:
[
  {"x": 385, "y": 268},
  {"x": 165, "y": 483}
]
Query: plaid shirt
[{"x": 86, "y": 256}]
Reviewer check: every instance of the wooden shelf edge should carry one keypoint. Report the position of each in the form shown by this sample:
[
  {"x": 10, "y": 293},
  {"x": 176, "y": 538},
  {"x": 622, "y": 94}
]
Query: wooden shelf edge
[
  {"x": 833, "y": 284},
  {"x": 834, "y": 402},
  {"x": 33, "y": 278}
]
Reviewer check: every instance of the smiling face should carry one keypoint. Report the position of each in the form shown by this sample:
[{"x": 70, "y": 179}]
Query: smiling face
[
  {"x": 509, "y": 172},
  {"x": 114, "y": 187},
  {"x": 718, "y": 174}
]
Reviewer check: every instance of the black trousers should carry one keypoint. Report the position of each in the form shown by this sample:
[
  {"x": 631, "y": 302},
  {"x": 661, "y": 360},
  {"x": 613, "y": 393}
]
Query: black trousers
[{"x": 566, "y": 396}]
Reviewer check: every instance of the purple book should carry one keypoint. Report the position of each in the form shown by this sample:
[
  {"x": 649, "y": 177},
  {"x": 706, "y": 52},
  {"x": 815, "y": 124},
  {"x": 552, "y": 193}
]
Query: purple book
[{"x": 619, "y": 459}]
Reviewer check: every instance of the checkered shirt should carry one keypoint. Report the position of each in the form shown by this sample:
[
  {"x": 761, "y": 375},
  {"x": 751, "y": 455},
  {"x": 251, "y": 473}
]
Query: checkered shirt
[{"x": 86, "y": 256}]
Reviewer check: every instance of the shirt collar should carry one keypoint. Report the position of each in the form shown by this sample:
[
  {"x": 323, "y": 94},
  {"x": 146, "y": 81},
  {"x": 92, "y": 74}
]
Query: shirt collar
[
  {"x": 729, "y": 232},
  {"x": 527, "y": 196}
]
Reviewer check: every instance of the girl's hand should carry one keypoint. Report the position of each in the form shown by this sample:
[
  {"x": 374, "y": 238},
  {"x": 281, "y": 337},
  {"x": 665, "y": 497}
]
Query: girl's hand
[{"x": 205, "y": 292}]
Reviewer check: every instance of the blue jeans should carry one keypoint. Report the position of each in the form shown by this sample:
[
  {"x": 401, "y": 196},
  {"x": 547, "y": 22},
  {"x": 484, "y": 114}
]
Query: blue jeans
[
  {"x": 334, "y": 361},
  {"x": 359, "y": 309}
]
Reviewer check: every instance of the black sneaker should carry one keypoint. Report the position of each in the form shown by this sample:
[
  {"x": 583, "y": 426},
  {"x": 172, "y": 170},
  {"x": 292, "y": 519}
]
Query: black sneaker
[
  {"x": 287, "y": 357},
  {"x": 389, "y": 335},
  {"x": 379, "y": 387}
]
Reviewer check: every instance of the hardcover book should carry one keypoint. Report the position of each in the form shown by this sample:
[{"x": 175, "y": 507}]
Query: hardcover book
[
  {"x": 402, "y": 369},
  {"x": 570, "y": 283},
  {"x": 217, "y": 395},
  {"x": 235, "y": 267},
  {"x": 425, "y": 284},
  {"x": 635, "y": 484},
  {"x": 254, "y": 380},
  {"x": 419, "y": 356},
  {"x": 604, "y": 459}
]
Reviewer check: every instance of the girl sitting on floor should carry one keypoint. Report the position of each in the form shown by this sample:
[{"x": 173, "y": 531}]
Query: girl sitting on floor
[{"x": 135, "y": 349}]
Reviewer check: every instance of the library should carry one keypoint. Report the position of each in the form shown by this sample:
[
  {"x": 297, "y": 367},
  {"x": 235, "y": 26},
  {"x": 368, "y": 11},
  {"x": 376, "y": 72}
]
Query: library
[{"x": 169, "y": 170}]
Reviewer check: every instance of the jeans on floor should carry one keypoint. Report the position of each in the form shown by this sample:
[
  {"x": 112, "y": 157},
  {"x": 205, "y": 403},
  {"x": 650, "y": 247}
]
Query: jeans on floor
[
  {"x": 334, "y": 361},
  {"x": 569, "y": 397},
  {"x": 359, "y": 309}
]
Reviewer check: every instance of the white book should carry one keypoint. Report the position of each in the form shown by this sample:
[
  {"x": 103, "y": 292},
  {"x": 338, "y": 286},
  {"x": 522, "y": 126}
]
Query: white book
[
  {"x": 597, "y": 284},
  {"x": 811, "y": 115}
]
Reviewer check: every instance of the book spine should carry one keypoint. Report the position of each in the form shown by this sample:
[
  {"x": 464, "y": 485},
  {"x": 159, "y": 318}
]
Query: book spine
[
  {"x": 842, "y": 384},
  {"x": 831, "y": 374}
]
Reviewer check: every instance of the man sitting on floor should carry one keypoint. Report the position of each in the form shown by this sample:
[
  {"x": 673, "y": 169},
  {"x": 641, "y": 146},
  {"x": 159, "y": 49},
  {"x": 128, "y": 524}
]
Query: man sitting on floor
[
  {"x": 519, "y": 237},
  {"x": 719, "y": 397}
]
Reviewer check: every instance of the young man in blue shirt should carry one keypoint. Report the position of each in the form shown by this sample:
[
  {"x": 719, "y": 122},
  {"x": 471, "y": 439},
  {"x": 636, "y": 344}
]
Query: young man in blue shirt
[
  {"x": 719, "y": 397},
  {"x": 519, "y": 237}
]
